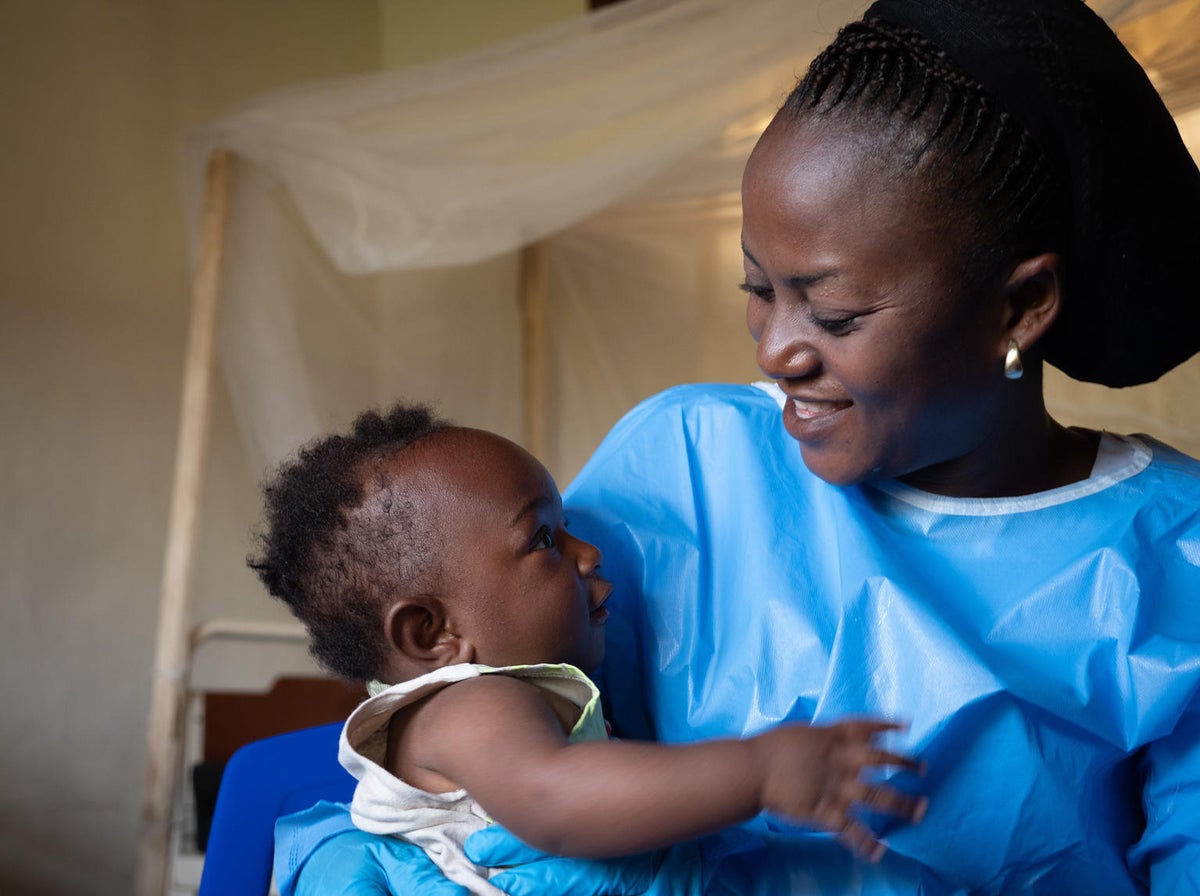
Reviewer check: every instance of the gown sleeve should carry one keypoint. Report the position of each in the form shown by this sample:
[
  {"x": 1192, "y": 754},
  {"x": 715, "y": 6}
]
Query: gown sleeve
[{"x": 1168, "y": 853}]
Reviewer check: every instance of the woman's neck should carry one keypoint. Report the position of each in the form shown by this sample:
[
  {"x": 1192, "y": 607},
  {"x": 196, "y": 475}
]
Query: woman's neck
[{"x": 1025, "y": 453}]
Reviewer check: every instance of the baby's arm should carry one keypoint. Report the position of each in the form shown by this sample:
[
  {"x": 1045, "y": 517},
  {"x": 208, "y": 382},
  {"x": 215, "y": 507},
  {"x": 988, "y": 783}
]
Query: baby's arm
[{"x": 499, "y": 738}]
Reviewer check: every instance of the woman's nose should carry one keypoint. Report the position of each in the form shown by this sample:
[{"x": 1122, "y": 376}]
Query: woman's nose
[{"x": 781, "y": 331}]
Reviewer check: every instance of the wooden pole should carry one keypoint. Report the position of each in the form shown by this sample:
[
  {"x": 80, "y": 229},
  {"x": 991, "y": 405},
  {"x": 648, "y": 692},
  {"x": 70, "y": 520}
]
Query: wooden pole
[
  {"x": 535, "y": 356},
  {"x": 164, "y": 730}
]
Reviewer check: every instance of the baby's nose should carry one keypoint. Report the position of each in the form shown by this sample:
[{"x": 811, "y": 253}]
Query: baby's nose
[{"x": 587, "y": 556}]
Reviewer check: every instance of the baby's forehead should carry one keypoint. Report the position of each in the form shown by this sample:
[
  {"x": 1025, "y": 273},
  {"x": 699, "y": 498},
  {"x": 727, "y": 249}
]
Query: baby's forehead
[
  {"x": 449, "y": 450},
  {"x": 455, "y": 460}
]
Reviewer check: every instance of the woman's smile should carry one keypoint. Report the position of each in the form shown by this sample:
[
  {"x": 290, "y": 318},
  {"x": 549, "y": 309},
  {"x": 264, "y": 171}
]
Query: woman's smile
[{"x": 808, "y": 420}]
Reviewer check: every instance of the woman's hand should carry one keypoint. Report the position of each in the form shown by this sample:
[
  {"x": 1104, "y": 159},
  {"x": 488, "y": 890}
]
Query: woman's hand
[
  {"x": 530, "y": 872},
  {"x": 319, "y": 852},
  {"x": 745, "y": 860},
  {"x": 362, "y": 864}
]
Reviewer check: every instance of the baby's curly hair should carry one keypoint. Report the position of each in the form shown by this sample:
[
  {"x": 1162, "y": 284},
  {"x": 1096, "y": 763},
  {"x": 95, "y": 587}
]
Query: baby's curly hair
[{"x": 331, "y": 553}]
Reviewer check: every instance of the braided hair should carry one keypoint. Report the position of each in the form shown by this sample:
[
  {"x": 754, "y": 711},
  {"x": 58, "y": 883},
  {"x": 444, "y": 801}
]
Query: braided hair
[
  {"x": 944, "y": 126},
  {"x": 341, "y": 536}
]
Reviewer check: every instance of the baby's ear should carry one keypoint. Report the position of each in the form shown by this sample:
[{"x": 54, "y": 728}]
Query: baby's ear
[{"x": 419, "y": 630}]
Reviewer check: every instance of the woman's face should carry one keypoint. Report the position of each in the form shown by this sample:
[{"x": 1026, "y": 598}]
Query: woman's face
[{"x": 860, "y": 312}]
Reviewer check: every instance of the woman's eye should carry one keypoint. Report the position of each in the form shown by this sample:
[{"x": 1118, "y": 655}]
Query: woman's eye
[
  {"x": 543, "y": 540},
  {"x": 835, "y": 326},
  {"x": 762, "y": 293}
]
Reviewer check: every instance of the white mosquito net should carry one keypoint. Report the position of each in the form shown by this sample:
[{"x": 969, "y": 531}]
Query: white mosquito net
[{"x": 372, "y": 245}]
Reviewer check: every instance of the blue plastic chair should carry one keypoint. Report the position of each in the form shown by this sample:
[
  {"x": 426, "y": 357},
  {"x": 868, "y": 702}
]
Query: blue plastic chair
[{"x": 264, "y": 780}]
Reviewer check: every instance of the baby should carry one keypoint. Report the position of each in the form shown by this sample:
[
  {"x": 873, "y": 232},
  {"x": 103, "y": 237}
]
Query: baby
[{"x": 435, "y": 560}]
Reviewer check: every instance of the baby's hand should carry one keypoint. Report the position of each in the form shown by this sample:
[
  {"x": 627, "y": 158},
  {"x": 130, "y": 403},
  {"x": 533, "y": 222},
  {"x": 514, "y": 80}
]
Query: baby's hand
[{"x": 816, "y": 775}]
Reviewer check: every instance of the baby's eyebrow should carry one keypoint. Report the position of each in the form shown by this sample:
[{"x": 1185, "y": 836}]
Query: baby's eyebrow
[{"x": 531, "y": 508}]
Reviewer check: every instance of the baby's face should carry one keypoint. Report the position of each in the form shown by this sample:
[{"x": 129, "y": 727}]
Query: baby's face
[{"x": 517, "y": 584}]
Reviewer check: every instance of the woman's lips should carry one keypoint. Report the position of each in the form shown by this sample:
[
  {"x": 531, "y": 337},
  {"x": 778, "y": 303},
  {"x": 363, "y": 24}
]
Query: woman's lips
[
  {"x": 809, "y": 420},
  {"x": 807, "y": 409}
]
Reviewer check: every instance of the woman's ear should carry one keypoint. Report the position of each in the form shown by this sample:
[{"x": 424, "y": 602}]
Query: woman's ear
[
  {"x": 419, "y": 630},
  {"x": 1033, "y": 299}
]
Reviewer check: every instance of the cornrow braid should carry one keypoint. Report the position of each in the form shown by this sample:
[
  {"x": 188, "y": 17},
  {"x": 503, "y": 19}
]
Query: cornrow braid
[
  {"x": 329, "y": 557},
  {"x": 946, "y": 125}
]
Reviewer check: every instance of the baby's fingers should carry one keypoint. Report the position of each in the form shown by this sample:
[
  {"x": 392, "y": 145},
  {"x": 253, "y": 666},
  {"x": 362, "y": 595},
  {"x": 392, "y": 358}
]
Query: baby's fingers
[
  {"x": 886, "y": 800},
  {"x": 859, "y": 839},
  {"x": 867, "y": 730},
  {"x": 876, "y": 756},
  {"x": 859, "y": 741}
]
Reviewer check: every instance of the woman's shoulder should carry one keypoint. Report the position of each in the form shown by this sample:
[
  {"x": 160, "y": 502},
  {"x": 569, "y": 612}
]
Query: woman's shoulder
[
  {"x": 1170, "y": 478},
  {"x": 673, "y": 441},
  {"x": 1158, "y": 470},
  {"x": 686, "y": 407},
  {"x": 1169, "y": 460},
  {"x": 667, "y": 428}
]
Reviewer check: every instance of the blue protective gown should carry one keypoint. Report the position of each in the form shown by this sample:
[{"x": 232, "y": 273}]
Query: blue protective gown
[{"x": 1045, "y": 650}]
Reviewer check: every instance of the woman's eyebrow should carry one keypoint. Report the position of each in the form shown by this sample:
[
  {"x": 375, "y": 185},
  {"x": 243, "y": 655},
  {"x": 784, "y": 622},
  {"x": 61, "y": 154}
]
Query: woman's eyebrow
[
  {"x": 796, "y": 280},
  {"x": 804, "y": 280}
]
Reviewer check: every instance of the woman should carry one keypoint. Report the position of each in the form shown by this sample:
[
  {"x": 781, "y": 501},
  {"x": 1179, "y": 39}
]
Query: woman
[{"x": 955, "y": 193}]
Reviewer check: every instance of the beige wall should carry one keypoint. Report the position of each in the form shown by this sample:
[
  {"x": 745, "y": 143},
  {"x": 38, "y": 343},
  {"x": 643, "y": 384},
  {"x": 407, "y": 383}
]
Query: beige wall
[
  {"x": 93, "y": 289},
  {"x": 414, "y": 31}
]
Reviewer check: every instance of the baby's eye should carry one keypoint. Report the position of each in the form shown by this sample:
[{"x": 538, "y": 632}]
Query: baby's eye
[{"x": 543, "y": 539}]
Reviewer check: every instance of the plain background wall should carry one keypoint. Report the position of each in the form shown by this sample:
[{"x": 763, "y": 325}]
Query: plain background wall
[{"x": 94, "y": 290}]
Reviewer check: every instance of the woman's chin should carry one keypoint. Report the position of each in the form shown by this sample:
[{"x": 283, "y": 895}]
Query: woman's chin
[{"x": 835, "y": 467}]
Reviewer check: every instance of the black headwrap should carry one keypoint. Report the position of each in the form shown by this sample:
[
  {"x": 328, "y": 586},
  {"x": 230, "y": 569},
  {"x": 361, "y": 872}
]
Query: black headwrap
[{"x": 1132, "y": 285}]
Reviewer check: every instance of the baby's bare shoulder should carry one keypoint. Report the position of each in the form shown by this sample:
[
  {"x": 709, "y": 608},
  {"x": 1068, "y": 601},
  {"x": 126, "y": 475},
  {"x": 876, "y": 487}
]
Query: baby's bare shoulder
[
  {"x": 488, "y": 696},
  {"x": 486, "y": 716}
]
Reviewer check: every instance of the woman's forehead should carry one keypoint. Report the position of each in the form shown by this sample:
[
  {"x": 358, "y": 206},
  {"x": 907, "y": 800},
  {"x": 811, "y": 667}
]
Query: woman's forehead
[
  {"x": 837, "y": 150},
  {"x": 820, "y": 191}
]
